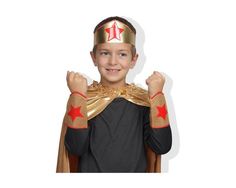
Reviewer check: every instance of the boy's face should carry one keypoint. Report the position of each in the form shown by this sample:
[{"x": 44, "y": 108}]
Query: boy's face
[{"x": 113, "y": 61}]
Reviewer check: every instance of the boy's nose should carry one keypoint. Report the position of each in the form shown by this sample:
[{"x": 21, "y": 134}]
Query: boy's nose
[{"x": 112, "y": 60}]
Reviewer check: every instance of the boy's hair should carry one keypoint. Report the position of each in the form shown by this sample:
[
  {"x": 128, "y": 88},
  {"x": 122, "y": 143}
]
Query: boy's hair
[{"x": 124, "y": 21}]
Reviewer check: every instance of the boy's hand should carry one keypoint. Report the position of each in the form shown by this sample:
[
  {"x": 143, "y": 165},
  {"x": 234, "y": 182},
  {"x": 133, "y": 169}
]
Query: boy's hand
[
  {"x": 155, "y": 83},
  {"x": 76, "y": 82}
]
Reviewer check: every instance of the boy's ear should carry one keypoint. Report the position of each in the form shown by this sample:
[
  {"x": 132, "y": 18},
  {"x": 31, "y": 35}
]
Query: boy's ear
[
  {"x": 133, "y": 61},
  {"x": 93, "y": 58}
]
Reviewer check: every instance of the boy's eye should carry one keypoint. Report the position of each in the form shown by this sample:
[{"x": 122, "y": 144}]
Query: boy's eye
[
  {"x": 123, "y": 54},
  {"x": 104, "y": 53}
]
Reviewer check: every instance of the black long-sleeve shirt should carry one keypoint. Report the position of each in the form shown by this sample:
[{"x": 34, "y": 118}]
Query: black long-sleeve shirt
[{"x": 116, "y": 138}]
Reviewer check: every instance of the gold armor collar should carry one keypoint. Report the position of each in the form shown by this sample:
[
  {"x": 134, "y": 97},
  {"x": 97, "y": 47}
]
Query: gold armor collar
[{"x": 100, "y": 96}]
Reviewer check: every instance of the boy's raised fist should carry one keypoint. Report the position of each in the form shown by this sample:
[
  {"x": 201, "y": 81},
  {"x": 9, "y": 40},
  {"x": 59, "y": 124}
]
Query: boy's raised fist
[
  {"x": 155, "y": 83},
  {"x": 76, "y": 82}
]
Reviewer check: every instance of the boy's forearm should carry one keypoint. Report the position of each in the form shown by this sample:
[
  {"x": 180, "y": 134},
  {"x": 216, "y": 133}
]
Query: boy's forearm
[
  {"x": 158, "y": 111},
  {"x": 77, "y": 134},
  {"x": 76, "y": 113},
  {"x": 77, "y": 141},
  {"x": 160, "y": 137},
  {"x": 159, "y": 140}
]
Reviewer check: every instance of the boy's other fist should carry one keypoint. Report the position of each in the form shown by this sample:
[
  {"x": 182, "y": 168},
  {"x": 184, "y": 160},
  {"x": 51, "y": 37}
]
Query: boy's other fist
[
  {"x": 155, "y": 83},
  {"x": 76, "y": 82}
]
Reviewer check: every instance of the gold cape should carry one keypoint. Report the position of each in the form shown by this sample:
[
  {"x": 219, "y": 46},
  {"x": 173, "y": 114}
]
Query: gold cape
[{"x": 98, "y": 97}]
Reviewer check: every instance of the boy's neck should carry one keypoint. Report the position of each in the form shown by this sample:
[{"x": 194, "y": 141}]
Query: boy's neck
[{"x": 113, "y": 85}]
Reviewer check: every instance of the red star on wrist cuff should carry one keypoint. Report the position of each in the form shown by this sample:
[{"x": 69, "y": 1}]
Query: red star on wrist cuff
[
  {"x": 162, "y": 112},
  {"x": 75, "y": 112}
]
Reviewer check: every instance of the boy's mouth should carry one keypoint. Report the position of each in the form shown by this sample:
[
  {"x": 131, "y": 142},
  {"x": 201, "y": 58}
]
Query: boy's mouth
[{"x": 113, "y": 70}]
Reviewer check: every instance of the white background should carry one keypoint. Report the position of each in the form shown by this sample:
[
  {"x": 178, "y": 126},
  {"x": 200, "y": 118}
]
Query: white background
[{"x": 193, "y": 43}]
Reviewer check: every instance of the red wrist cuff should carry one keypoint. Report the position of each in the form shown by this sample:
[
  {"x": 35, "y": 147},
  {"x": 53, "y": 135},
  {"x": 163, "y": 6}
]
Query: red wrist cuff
[
  {"x": 159, "y": 92},
  {"x": 76, "y": 92}
]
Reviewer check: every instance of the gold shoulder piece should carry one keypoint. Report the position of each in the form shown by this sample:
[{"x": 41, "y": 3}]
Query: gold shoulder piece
[
  {"x": 97, "y": 100},
  {"x": 138, "y": 95},
  {"x": 98, "y": 97}
]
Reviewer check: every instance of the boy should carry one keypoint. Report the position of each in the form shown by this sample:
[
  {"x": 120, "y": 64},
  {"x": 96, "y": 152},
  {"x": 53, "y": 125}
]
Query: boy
[{"x": 113, "y": 126}]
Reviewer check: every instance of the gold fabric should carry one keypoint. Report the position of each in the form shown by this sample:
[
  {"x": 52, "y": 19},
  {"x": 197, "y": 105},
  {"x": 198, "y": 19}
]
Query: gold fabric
[
  {"x": 98, "y": 97},
  {"x": 114, "y": 32}
]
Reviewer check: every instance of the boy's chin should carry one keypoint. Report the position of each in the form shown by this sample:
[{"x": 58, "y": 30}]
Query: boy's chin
[
  {"x": 112, "y": 81},
  {"x": 112, "y": 77}
]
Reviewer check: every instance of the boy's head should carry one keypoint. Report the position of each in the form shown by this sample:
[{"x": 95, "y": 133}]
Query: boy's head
[{"x": 114, "y": 51}]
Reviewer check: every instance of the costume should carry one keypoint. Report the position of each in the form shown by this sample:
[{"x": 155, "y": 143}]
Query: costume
[
  {"x": 114, "y": 130},
  {"x": 81, "y": 109}
]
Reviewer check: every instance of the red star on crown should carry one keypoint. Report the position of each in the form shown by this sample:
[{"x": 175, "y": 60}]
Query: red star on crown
[
  {"x": 114, "y": 32},
  {"x": 75, "y": 112},
  {"x": 162, "y": 112}
]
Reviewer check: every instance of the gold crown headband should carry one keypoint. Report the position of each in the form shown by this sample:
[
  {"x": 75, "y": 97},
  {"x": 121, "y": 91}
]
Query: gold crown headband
[{"x": 114, "y": 32}]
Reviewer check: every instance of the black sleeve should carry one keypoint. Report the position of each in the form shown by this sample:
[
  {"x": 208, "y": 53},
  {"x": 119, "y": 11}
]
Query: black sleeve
[
  {"x": 77, "y": 141},
  {"x": 158, "y": 139}
]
